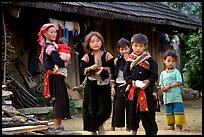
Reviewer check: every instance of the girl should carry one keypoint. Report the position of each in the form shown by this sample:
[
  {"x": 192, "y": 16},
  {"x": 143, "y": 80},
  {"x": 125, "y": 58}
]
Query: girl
[
  {"x": 120, "y": 105},
  {"x": 170, "y": 82},
  {"x": 97, "y": 64},
  {"x": 141, "y": 73},
  {"x": 54, "y": 82}
]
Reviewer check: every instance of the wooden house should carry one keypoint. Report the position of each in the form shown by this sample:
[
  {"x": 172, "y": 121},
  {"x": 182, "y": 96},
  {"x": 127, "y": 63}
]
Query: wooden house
[{"x": 22, "y": 21}]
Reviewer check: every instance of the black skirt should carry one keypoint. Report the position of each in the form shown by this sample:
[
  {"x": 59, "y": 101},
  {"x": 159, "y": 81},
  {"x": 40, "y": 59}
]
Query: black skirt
[
  {"x": 58, "y": 90},
  {"x": 96, "y": 105}
]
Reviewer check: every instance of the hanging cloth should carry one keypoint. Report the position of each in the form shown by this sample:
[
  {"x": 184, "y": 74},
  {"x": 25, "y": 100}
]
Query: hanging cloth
[
  {"x": 175, "y": 43},
  {"x": 66, "y": 34},
  {"x": 60, "y": 32},
  {"x": 55, "y": 22},
  {"x": 164, "y": 39},
  {"x": 142, "y": 101}
]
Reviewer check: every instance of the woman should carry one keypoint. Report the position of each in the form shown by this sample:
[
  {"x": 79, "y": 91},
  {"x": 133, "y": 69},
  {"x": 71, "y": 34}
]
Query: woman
[{"x": 54, "y": 83}]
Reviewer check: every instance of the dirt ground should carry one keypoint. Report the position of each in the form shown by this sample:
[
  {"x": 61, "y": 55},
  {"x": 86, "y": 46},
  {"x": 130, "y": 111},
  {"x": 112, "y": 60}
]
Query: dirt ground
[{"x": 193, "y": 113}]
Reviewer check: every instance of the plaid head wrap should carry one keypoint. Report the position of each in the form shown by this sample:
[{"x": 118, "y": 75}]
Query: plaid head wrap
[{"x": 41, "y": 38}]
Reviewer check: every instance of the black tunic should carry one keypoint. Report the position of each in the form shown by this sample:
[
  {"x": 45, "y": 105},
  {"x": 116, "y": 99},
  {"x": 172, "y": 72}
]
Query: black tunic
[
  {"x": 120, "y": 104},
  {"x": 58, "y": 89},
  {"x": 148, "y": 118}
]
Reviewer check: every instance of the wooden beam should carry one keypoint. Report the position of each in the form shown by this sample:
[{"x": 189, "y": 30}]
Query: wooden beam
[{"x": 23, "y": 129}]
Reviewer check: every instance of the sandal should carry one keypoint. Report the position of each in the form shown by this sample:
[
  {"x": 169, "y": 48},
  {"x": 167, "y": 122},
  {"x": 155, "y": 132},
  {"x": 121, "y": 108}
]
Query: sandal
[
  {"x": 60, "y": 128},
  {"x": 127, "y": 129},
  {"x": 170, "y": 128},
  {"x": 112, "y": 128}
]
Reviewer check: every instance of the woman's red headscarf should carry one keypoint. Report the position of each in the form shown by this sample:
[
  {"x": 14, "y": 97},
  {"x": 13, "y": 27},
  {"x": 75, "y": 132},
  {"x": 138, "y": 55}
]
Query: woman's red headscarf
[{"x": 41, "y": 38}]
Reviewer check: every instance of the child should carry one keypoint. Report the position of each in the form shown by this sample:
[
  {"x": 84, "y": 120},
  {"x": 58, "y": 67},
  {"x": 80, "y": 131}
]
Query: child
[
  {"x": 119, "y": 86},
  {"x": 170, "y": 82},
  {"x": 64, "y": 52},
  {"x": 97, "y": 64},
  {"x": 141, "y": 73},
  {"x": 54, "y": 83}
]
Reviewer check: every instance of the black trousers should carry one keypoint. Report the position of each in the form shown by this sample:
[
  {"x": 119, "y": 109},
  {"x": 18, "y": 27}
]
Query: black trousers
[
  {"x": 147, "y": 117},
  {"x": 120, "y": 107}
]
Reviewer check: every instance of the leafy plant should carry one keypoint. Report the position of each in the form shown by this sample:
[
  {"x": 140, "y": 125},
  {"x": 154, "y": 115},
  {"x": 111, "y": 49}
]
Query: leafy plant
[{"x": 193, "y": 65}]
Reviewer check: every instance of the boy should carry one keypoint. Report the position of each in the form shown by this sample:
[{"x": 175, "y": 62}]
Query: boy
[
  {"x": 170, "y": 82},
  {"x": 141, "y": 73}
]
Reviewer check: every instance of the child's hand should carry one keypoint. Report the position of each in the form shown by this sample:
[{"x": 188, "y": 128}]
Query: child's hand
[
  {"x": 94, "y": 67},
  {"x": 133, "y": 83},
  {"x": 162, "y": 88},
  {"x": 126, "y": 56},
  {"x": 112, "y": 91},
  {"x": 146, "y": 84},
  {"x": 99, "y": 71},
  {"x": 74, "y": 88},
  {"x": 165, "y": 89}
]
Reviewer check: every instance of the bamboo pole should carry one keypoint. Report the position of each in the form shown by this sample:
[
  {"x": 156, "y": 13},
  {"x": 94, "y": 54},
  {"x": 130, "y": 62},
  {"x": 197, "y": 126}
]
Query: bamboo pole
[{"x": 5, "y": 49}]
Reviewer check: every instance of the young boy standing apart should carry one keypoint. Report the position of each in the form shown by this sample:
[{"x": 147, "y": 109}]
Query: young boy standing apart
[
  {"x": 170, "y": 82},
  {"x": 140, "y": 73}
]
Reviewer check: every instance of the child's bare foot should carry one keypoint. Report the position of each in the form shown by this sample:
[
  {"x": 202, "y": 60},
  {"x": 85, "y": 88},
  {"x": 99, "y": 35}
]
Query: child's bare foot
[{"x": 178, "y": 128}]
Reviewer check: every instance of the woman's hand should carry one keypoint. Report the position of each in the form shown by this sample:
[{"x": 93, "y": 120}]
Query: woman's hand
[{"x": 55, "y": 44}]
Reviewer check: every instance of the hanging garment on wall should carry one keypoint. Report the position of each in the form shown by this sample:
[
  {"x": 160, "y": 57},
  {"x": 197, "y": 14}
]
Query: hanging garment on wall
[
  {"x": 60, "y": 32},
  {"x": 62, "y": 24},
  {"x": 175, "y": 43},
  {"x": 66, "y": 34},
  {"x": 164, "y": 42},
  {"x": 33, "y": 67},
  {"x": 76, "y": 28},
  {"x": 69, "y": 25},
  {"x": 55, "y": 22},
  {"x": 61, "y": 29}
]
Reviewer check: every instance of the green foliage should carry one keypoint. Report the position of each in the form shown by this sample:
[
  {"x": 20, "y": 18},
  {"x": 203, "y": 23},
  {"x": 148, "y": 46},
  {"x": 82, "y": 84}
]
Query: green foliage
[
  {"x": 193, "y": 66},
  {"x": 193, "y": 50},
  {"x": 37, "y": 92},
  {"x": 190, "y": 8}
]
